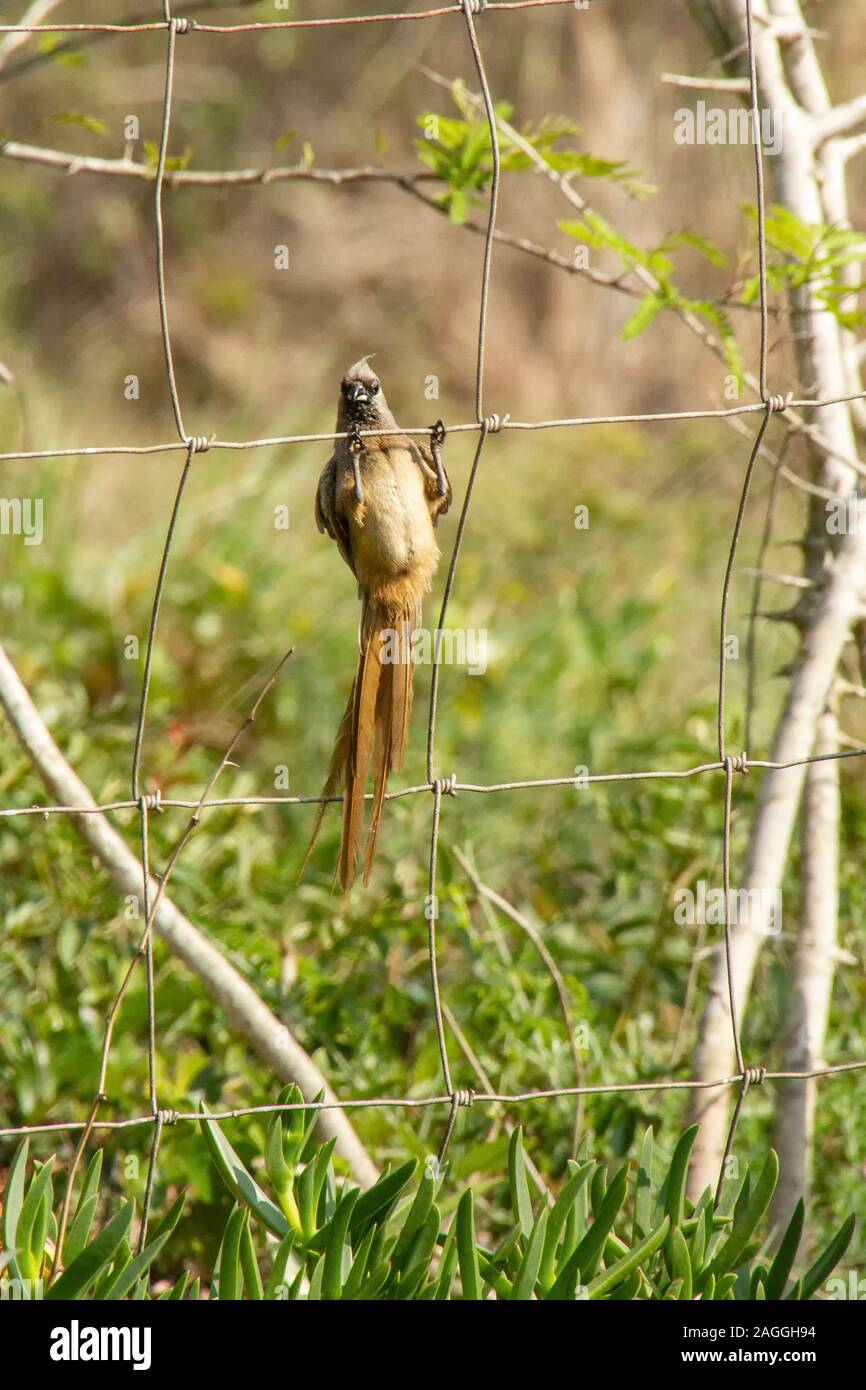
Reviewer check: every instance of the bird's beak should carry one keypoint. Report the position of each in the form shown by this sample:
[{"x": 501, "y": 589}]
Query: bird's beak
[{"x": 357, "y": 392}]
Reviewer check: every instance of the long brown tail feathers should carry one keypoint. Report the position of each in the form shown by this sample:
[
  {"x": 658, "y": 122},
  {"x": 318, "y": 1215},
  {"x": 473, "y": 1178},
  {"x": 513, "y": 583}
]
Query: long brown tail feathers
[{"x": 373, "y": 733}]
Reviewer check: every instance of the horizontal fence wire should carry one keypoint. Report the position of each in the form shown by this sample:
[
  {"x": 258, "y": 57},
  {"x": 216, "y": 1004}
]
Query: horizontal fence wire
[
  {"x": 440, "y": 787},
  {"x": 186, "y": 26}
]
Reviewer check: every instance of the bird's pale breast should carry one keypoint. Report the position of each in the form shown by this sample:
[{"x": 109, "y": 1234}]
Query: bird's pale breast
[{"x": 392, "y": 532}]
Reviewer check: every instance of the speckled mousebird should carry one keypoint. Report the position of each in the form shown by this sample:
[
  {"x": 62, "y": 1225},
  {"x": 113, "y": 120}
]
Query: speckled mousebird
[{"x": 383, "y": 521}]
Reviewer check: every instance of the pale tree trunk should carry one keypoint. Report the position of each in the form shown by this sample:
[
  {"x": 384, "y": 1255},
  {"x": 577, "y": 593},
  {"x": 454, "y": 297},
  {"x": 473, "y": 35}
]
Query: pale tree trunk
[
  {"x": 812, "y": 975},
  {"x": 808, "y": 175}
]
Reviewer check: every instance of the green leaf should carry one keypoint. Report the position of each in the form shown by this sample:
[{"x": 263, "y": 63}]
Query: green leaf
[
  {"x": 591, "y": 1248},
  {"x": 679, "y": 1261},
  {"x": 377, "y": 1201},
  {"x": 122, "y": 1259},
  {"x": 309, "y": 1188},
  {"x": 285, "y": 1139},
  {"x": 238, "y": 1180},
  {"x": 128, "y": 1277},
  {"x": 337, "y": 1232},
  {"x": 229, "y": 1281},
  {"x": 171, "y": 1218},
  {"x": 780, "y": 1269},
  {"x": 701, "y": 244},
  {"x": 746, "y": 1219},
  {"x": 176, "y": 1292},
  {"x": 564, "y": 1286},
  {"x": 524, "y": 1284},
  {"x": 675, "y": 1183},
  {"x": 447, "y": 1268},
  {"x": 699, "y": 1233},
  {"x": 644, "y": 1200},
  {"x": 13, "y": 1195},
  {"x": 277, "y": 1277},
  {"x": 415, "y": 1220},
  {"x": 562, "y": 1208},
  {"x": 521, "y": 1203},
  {"x": 420, "y": 1255},
  {"x": 91, "y": 123},
  {"x": 311, "y": 1115},
  {"x": 276, "y": 1167},
  {"x": 173, "y": 163},
  {"x": 32, "y": 1223},
  {"x": 649, "y": 309},
  {"x": 354, "y": 1284},
  {"x": 79, "y": 1230},
  {"x": 250, "y": 1266},
  {"x": 727, "y": 337},
  {"x": 828, "y": 1259},
  {"x": 595, "y": 231},
  {"x": 85, "y": 1269},
  {"x": 467, "y": 1254},
  {"x": 609, "y": 1278}
]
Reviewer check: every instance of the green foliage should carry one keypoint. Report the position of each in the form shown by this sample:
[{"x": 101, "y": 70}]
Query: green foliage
[
  {"x": 595, "y": 231},
  {"x": 173, "y": 162},
  {"x": 625, "y": 1237},
  {"x": 459, "y": 152},
  {"x": 810, "y": 254},
  {"x": 103, "y": 1267},
  {"x": 79, "y": 118}
]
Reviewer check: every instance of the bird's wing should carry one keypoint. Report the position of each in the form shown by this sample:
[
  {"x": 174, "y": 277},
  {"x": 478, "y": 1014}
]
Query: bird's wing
[
  {"x": 439, "y": 502},
  {"x": 328, "y": 518}
]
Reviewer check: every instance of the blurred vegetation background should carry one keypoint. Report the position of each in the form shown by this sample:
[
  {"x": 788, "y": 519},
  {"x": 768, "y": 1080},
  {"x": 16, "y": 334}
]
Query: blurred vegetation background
[{"x": 602, "y": 640}]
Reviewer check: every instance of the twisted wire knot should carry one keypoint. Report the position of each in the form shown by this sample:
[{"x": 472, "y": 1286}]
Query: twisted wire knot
[
  {"x": 168, "y": 1117},
  {"x": 199, "y": 443},
  {"x": 183, "y": 26},
  {"x": 778, "y": 404},
  {"x": 755, "y": 1076},
  {"x": 476, "y": 6},
  {"x": 465, "y": 1098},
  {"x": 152, "y": 801},
  {"x": 493, "y": 423},
  {"x": 445, "y": 786},
  {"x": 740, "y": 763}
]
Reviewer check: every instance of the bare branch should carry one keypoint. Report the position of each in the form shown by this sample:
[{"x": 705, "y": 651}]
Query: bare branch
[
  {"x": 840, "y": 120},
  {"x": 739, "y": 85},
  {"x": 204, "y": 178}
]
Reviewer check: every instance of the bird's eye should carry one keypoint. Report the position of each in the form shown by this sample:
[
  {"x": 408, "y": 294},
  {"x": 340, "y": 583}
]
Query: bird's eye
[{"x": 374, "y": 386}]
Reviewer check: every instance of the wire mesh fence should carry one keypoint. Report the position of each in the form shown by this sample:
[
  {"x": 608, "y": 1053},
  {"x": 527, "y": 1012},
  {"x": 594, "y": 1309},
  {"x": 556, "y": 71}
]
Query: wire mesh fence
[{"x": 484, "y": 425}]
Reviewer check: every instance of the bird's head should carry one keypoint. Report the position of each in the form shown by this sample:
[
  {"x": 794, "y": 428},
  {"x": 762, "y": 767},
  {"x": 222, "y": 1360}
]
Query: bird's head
[{"x": 362, "y": 401}]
